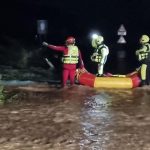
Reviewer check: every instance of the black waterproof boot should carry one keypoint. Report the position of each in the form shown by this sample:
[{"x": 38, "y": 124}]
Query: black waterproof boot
[
  {"x": 99, "y": 75},
  {"x": 143, "y": 83}
]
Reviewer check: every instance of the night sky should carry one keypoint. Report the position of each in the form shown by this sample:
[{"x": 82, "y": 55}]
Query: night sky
[
  {"x": 77, "y": 18},
  {"x": 18, "y": 17}
]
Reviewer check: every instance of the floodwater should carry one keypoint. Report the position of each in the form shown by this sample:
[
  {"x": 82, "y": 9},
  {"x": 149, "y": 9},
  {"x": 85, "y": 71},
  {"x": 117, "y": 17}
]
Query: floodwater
[{"x": 44, "y": 117}]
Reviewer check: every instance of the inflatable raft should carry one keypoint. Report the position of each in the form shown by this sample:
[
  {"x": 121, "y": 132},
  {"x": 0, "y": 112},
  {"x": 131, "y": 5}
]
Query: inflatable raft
[{"x": 128, "y": 81}]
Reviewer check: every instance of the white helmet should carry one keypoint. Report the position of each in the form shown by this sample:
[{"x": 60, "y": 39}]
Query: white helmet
[
  {"x": 144, "y": 39},
  {"x": 97, "y": 41}
]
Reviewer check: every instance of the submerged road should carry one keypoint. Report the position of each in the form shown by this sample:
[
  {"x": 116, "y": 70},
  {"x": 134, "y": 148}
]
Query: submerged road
[{"x": 43, "y": 117}]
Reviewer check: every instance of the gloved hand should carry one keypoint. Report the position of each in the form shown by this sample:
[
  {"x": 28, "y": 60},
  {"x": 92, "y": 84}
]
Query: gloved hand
[
  {"x": 45, "y": 44},
  {"x": 95, "y": 54}
]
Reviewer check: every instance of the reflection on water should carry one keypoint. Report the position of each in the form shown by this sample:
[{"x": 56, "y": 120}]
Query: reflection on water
[
  {"x": 97, "y": 111},
  {"x": 96, "y": 117},
  {"x": 116, "y": 119},
  {"x": 77, "y": 118}
]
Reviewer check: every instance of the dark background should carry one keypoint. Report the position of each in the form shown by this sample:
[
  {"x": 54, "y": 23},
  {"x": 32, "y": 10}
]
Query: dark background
[{"x": 20, "y": 45}]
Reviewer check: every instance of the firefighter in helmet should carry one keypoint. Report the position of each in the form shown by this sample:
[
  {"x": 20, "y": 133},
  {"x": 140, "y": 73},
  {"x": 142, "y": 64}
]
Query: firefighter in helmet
[
  {"x": 100, "y": 54},
  {"x": 71, "y": 57},
  {"x": 143, "y": 55}
]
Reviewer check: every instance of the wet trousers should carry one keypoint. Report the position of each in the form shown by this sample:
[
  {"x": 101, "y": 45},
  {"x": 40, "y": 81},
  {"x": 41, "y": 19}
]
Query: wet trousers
[
  {"x": 68, "y": 73},
  {"x": 145, "y": 73},
  {"x": 101, "y": 66}
]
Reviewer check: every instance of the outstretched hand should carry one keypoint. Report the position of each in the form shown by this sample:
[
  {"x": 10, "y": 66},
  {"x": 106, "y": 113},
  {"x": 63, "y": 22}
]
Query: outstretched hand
[{"x": 45, "y": 44}]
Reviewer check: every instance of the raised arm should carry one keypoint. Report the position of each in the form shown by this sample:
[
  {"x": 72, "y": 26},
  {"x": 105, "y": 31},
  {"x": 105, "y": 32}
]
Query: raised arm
[{"x": 53, "y": 47}]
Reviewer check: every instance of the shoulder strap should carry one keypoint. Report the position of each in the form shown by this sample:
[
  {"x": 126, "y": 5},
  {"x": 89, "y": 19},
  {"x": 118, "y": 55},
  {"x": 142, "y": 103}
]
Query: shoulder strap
[
  {"x": 102, "y": 46},
  {"x": 147, "y": 46}
]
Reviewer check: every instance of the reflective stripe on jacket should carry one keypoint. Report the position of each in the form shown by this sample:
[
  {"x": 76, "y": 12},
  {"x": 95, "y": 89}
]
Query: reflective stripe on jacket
[
  {"x": 144, "y": 52},
  {"x": 73, "y": 55},
  {"x": 100, "y": 54},
  {"x": 96, "y": 57}
]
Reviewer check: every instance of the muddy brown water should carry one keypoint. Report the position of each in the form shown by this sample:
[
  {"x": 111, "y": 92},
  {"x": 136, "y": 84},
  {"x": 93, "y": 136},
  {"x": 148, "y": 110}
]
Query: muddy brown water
[{"x": 43, "y": 117}]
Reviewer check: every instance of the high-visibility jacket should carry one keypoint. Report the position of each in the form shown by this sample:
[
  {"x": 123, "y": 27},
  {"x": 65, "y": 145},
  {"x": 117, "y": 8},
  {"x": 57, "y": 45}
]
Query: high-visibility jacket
[
  {"x": 72, "y": 56},
  {"x": 100, "y": 54},
  {"x": 96, "y": 57},
  {"x": 65, "y": 50},
  {"x": 144, "y": 52}
]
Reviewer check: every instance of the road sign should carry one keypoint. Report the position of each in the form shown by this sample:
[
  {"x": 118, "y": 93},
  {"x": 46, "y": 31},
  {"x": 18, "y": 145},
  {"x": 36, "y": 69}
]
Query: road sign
[
  {"x": 121, "y": 40},
  {"x": 122, "y": 30},
  {"x": 42, "y": 26}
]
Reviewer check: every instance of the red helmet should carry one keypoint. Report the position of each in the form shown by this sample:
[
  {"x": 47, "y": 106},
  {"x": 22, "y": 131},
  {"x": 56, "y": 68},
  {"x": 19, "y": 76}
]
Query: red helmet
[{"x": 70, "y": 40}]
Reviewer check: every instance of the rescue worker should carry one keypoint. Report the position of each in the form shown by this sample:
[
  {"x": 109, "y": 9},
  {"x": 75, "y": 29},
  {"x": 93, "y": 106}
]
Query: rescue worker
[
  {"x": 143, "y": 55},
  {"x": 71, "y": 57},
  {"x": 100, "y": 53}
]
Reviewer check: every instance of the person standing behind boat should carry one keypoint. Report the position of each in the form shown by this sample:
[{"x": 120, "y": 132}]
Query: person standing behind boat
[
  {"x": 100, "y": 54},
  {"x": 71, "y": 57},
  {"x": 143, "y": 55}
]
